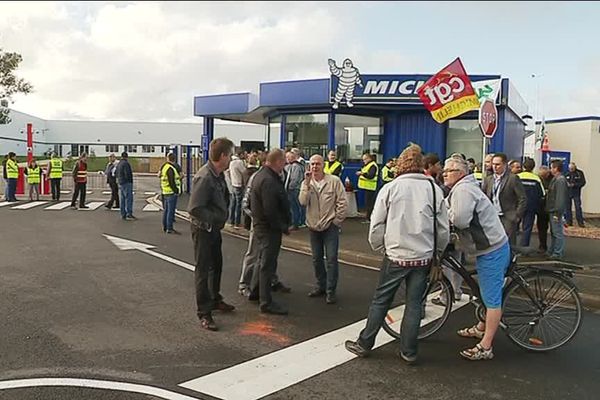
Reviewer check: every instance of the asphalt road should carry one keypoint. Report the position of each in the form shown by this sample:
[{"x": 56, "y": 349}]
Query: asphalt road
[{"x": 74, "y": 306}]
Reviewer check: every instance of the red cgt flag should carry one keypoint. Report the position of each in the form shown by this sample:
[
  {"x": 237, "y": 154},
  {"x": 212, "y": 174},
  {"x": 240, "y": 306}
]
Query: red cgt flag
[{"x": 449, "y": 93}]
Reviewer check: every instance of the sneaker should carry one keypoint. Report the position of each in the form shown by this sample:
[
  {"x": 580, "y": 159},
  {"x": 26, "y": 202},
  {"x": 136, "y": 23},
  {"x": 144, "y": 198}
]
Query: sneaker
[
  {"x": 107, "y": 207},
  {"x": 244, "y": 291},
  {"x": 223, "y": 307},
  {"x": 208, "y": 323},
  {"x": 410, "y": 360},
  {"x": 84, "y": 207},
  {"x": 280, "y": 287},
  {"x": 130, "y": 218},
  {"x": 301, "y": 226},
  {"x": 273, "y": 308},
  {"x": 356, "y": 348},
  {"x": 330, "y": 298},
  {"x": 173, "y": 231},
  {"x": 73, "y": 208},
  {"x": 316, "y": 293}
]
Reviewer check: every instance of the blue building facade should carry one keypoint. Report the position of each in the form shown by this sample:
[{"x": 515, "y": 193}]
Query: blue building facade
[{"x": 386, "y": 115}]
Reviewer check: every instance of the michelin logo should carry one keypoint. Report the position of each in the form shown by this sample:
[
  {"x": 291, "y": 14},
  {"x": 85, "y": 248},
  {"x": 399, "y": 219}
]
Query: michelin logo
[
  {"x": 348, "y": 77},
  {"x": 406, "y": 88}
]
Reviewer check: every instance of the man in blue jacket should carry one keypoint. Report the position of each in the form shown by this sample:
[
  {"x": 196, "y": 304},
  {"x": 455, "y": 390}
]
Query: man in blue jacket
[
  {"x": 575, "y": 181},
  {"x": 534, "y": 190}
]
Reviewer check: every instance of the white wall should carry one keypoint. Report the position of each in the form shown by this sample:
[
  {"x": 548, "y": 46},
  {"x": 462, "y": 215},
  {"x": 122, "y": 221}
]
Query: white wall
[{"x": 12, "y": 139}]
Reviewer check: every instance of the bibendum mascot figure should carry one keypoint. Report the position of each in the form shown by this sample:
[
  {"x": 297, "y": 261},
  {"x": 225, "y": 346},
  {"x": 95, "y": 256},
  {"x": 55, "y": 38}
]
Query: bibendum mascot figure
[{"x": 349, "y": 77}]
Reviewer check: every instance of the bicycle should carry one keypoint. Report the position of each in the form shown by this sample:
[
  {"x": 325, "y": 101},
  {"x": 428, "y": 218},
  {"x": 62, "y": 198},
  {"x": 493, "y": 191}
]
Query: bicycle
[{"x": 541, "y": 307}]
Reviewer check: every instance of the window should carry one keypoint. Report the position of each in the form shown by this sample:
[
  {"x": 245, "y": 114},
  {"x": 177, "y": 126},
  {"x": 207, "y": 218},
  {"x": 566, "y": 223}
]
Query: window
[
  {"x": 273, "y": 135},
  {"x": 147, "y": 149},
  {"x": 464, "y": 136},
  {"x": 355, "y": 135},
  {"x": 308, "y": 132},
  {"x": 74, "y": 150},
  {"x": 112, "y": 148},
  {"x": 84, "y": 148},
  {"x": 131, "y": 148}
]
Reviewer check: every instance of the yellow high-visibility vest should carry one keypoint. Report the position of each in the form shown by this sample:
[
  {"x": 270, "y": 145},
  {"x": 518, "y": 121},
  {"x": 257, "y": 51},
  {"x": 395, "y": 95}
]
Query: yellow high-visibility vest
[
  {"x": 164, "y": 180},
  {"x": 56, "y": 168},
  {"x": 332, "y": 166},
  {"x": 12, "y": 169},
  {"x": 33, "y": 175},
  {"x": 530, "y": 176},
  {"x": 478, "y": 176},
  {"x": 368, "y": 184},
  {"x": 385, "y": 174}
]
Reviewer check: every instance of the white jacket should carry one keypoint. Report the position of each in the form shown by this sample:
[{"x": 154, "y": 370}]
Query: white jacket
[
  {"x": 236, "y": 169},
  {"x": 402, "y": 220}
]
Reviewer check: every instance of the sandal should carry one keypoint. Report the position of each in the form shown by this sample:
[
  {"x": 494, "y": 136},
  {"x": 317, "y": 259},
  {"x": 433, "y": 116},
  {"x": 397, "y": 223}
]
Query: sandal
[
  {"x": 477, "y": 353},
  {"x": 472, "y": 332}
]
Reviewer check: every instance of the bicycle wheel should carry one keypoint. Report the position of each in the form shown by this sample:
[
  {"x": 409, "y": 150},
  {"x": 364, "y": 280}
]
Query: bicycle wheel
[
  {"x": 542, "y": 313},
  {"x": 434, "y": 315}
]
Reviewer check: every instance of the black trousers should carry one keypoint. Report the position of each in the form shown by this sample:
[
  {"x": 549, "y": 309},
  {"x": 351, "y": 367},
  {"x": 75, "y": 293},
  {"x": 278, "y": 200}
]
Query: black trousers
[
  {"x": 209, "y": 264},
  {"x": 269, "y": 244},
  {"x": 114, "y": 195},
  {"x": 55, "y": 187},
  {"x": 543, "y": 222},
  {"x": 370, "y": 196},
  {"x": 79, "y": 190}
]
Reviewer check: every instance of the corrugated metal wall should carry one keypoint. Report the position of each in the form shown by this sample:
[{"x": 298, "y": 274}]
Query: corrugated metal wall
[{"x": 417, "y": 127}]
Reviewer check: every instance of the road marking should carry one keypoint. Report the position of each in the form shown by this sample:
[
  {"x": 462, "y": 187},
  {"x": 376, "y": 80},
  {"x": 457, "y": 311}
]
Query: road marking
[
  {"x": 6, "y": 203},
  {"x": 151, "y": 207},
  {"x": 27, "y": 206},
  {"x": 59, "y": 206},
  {"x": 88, "y": 192},
  {"x": 149, "y": 193},
  {"x": 125, "y": 244},
  {"x": 94, "y": 384},
  {"x": 92, "y": 206},
  {"x": 106, "y": 192},
  {"x": 65, "y": 191},
  {"x": 276, "y": 371}
]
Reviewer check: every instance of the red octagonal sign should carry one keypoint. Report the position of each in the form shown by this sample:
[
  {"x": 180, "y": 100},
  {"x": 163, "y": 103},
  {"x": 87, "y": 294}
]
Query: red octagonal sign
[{"x": 488, "y": 118}]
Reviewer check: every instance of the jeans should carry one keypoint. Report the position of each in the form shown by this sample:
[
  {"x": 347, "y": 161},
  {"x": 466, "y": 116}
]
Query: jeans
[
  {"x": 169, "y": 201},
  {"x": 528, "y": 220},
  {"x": 370, "y": 196},
  {"x": 326, "y": 244},
  {"x": 114, "y": 195},
  {"x": 235, "y": 210},
  {"x": 250, "y": 262},
  {"x": 543, "y": 220},
  {"x": 209, "y": 265},
  {"x": 578, "y": 213},
  {"x": 390, "y": 278},
  {"x": 79, "y": 190},
  {"x": 12, "y": 189},
  {"x": 557, "y": 243},
  {"x": 269, "y": 244},
  {"x": 298, "y": 212},
  {"x": 126, "y": 199},
  {"x": 55, "y": 187},
  {"x": 34, "y": 189}
]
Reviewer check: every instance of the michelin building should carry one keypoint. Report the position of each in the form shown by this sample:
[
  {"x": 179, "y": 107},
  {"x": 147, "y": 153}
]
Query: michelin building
[{"x": 353, "y": 113}]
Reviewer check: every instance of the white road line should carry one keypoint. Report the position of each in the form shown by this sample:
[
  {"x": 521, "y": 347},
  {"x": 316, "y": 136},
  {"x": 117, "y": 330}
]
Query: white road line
[
  {"x": 6, "y": 203},
  {"x": 95, "y": 384},
  {"x": 27, "y": 206},
  {"x": 92, "y": 206},
  {"x": 58, "y": 206},
  {"x": 276, "y": 371},
  {"x": 149, "y": 193},
  {"x": 89, "y": 192},
  {"x": 151, "y": 207},
  {"x": 106, "y": 192},
  {"x": 65, "y": 191}
]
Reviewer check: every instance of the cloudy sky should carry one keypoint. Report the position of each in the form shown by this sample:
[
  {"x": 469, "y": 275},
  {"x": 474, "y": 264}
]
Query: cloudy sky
[{"x": 147, "y": 60}]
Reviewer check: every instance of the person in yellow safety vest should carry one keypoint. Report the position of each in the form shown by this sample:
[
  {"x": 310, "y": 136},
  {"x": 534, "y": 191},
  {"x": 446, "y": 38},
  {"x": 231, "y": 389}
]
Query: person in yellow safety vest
[
  {"x": 12, "y": 175},
  {"x": 477, "y": 173},
  {"x": 332, "y": 165},
  {"x": 387, "y": 172},
  {"x": 170, "y": 187},
  {"x": 367, "y": 181},
  {"x": 34, "y": 175},
  {"x": 534, "y": 190},
  {"x": 55, "y": 173}
]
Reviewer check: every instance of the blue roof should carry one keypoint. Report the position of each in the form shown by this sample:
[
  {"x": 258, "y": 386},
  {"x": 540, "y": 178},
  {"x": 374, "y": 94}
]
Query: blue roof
[{"x": 571, "y": 119}]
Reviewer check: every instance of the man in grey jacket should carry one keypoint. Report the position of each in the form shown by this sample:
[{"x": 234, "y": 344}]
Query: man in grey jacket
[
  {"x": 556, "y": 204},
  {"x": 208, "y": 208},
  {"x": 402, "y": 227},
  {"x": 293, "y": 179},
  {"x": 480, "y": 233}
]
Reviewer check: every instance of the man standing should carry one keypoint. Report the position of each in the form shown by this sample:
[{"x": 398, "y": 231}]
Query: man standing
[
  {"x": 332, "y": 165},
  {"x": 170, "y": 187},
  {"x": 507, "y": 194},
  {"x": 124, "y": 175},
  {"x": 387, "y": 172},
  {"x": 556, "y": 204},
  {"x": 111, "y": 179},
  {"x": 325, "y": 200},
  {"x": 236, "y": 171},
  {"x": 270, "y": 219},
  {"x": 12, "y": 175},
  {"x": 481, "y": 233},
  {"x": 515, "y": 167},
  {"x": 80, "y": 180},
  {"x": 575, "y": 181},
  {"x": 543, "y": 218},
  {"x": 407, "y": 201},
  {"x": 367, "y": 181},
  {"x": 55, "y": 173},
  {"x": 534, "y": 190},
  {"x": 208, "y": 208},
  {"x": 294, "y": 176}
]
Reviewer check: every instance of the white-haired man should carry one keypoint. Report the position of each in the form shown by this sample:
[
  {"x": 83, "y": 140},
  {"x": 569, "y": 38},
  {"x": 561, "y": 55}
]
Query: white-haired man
[{"x": 480, "y": 233}]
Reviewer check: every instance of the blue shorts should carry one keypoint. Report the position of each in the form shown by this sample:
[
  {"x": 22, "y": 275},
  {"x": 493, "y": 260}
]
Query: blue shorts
[{"x": 491, "y": 269}]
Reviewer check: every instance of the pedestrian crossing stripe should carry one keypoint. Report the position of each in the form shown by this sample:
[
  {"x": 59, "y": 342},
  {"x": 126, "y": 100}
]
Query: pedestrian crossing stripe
[
  {"x": 27, "y": 206},
  {"x": 58, "y": 206},
  {"x": 5, "y": 203},
  {"x": 92, "y": 206},
  {"x": 65, "y": 204},
  {"x": 106, "y": 192},
  {"x": 151, "y": 207}
]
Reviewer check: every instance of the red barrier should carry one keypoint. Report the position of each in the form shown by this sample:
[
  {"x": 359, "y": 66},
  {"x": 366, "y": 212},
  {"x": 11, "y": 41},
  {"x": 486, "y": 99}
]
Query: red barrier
[
  {"x": 21, "y": 181},
  {"x": 23, "y": 188}
]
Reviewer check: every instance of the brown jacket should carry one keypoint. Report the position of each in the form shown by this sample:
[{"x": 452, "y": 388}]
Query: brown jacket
[{"x": 324, "y": 206}]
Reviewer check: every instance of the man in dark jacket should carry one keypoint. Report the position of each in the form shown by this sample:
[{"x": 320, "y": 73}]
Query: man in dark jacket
[
  {"x": 209, "y": 209},
  {"x": 542, "y": 217},
  {"x": 111, "y": 180},
  {"x": 534, "y": 190},
  {"x": 556, "y": 203},
  {"x": 270, "y": 219},
  {"x": 507, "y": 194},
  {"x": 124, "y": 175},
  {"x": 575, "y": 181}
]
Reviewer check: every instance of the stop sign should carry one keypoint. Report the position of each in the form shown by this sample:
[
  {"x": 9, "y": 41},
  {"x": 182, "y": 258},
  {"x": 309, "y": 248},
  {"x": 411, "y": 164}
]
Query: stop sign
[{"x": 488, "y": 118}]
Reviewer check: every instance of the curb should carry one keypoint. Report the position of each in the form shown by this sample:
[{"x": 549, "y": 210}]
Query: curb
[{"x": 355, "y": 259}]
